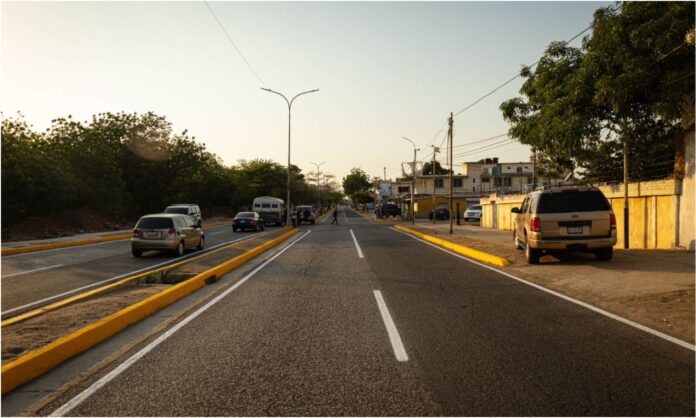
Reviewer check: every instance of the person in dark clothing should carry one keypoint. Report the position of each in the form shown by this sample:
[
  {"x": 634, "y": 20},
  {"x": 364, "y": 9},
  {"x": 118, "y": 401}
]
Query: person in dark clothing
[{"x": 335, "y": 217}]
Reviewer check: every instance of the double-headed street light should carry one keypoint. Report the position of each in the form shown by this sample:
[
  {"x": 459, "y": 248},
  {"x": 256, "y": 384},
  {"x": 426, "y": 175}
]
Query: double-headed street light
[
  {"x": 318, "y": 166},
  {"x": 289, "y": 102},
  {"x": 413, "y": 179}
]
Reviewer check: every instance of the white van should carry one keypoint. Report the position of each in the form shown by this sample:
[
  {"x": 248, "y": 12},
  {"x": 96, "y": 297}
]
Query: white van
[{"x": 270, "y": 208}]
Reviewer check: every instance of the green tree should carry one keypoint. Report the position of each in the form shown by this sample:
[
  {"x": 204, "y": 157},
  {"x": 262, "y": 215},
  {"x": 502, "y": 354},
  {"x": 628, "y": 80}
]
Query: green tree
[
  {"x": 428, "y": 170},
  {"x": 626, "y": 83},
  {"x": 356, "y": 182}
]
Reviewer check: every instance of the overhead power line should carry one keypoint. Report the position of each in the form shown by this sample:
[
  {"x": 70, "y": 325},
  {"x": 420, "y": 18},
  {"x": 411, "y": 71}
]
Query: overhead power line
[
  {"x": 530, "y": 67},
  {"x": 258, "y": 77}
]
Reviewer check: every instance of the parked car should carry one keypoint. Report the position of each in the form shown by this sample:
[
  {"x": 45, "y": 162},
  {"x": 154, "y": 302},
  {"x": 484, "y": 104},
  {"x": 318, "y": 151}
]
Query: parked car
[
  {"x": 247, "y": 220},
  {"x": 166, "y": 231},
  {"x": 390, "y": 209},
  {"x": 304, "y": 214},
  {"x": 570, "y": 218},
  {"x": 441, "y": 213},
  {"x": 189, "y": 209},
  {"x": 473, "y": 213}
]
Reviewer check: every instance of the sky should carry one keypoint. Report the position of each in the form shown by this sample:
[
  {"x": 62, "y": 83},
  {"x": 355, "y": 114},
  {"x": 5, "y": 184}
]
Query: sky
[{"x": 385, "y": 70}]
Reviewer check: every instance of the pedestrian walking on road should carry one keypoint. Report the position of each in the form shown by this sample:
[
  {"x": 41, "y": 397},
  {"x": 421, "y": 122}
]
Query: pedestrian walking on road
[{"x": 335, "y": 217}]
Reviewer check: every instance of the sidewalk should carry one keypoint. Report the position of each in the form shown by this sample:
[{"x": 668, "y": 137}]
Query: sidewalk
[{"x": 651, "y": 287}]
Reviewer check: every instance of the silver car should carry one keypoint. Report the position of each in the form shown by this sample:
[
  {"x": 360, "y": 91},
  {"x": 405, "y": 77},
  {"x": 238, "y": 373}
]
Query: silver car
[{"x": 166, "y": 231}]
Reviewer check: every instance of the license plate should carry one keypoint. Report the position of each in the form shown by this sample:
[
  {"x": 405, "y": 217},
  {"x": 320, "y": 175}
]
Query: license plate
[
  {"x": 575, "y": 230},
  {"x": 149, "y": 234}
]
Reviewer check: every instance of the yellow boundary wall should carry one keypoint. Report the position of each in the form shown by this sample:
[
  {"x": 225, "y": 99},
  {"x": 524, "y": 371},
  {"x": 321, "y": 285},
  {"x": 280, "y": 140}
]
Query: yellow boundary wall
[
  {"x": 54, "y": 245},
  {"x": 38, "y": 362},
  {"x": 458, "y": 248}
]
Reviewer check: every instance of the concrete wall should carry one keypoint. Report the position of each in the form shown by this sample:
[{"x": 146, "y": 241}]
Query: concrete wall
[
  {"x": 687, "y": 228},
  {"x": 660, "y": 216}
]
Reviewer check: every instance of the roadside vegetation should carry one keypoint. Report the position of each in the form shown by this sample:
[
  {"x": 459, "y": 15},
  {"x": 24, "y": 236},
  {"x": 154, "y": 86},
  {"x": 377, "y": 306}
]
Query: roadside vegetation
[
  {"x": 124, "y": 165},
  {"x": 630, "y": 83}
]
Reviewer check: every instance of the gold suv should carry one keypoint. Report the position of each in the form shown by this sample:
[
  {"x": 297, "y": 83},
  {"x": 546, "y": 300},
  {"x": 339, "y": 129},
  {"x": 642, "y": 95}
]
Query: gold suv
[{"x": 570, "y": 218}]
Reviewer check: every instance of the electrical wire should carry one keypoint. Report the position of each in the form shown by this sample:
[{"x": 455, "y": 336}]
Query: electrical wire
[
  {"x": 530, "y": 67},
  {"x": 258, "y": 77}
]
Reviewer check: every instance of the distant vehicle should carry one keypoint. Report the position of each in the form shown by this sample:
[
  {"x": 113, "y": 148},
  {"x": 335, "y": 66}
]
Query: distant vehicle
[
  {"x": 271, "y": 209},
  {"x": 570, "y": 218},
  {"x": 166, "y": 231},
  {"x": 304, "y": 214},
  {"x": 441, "y": 213},
  {"x": 473, "y": 213},
  {"x": 390, "y": 209},
  {"x": 247, "y": 220},
  {"x": 189, "y": 209}
]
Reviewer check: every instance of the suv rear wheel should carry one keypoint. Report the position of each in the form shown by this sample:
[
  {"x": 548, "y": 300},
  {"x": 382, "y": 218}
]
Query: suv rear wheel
[
  {"x": 604, "y": 254},
  {"x": 532, "y": 254}
]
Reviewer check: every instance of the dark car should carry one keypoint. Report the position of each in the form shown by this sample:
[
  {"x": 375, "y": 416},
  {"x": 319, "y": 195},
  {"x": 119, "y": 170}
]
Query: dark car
[
  {"x": 441, "y": 213},
  {"x": 247, "y": 220},
  {"x": 190, "y": 209},
  {"x": 391, "y": 209}
]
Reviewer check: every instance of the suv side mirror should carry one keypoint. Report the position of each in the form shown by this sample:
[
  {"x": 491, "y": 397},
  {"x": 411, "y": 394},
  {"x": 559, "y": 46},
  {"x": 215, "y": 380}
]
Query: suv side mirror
[{"x": 515, "y": 210}]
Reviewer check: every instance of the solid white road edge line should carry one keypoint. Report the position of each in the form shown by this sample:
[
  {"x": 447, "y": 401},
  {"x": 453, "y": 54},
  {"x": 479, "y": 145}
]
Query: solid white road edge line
[
  {"x": 357, "y": 246},
  {"x": 394, "y": 338},
  {"x": 77, "y": 247},
  {"x": 593, "y": 308},
  {"x": 31, "y": 271},
  {"x": 77, "y": 400},
  {"x": 121, "y": 276}
]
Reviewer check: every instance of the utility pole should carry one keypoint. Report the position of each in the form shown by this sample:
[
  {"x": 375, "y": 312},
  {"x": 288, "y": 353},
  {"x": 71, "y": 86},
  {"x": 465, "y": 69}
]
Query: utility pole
[
  {"x": 534, "y": 169},
  {"x": 385, "y": 173},
  {"x": 451, "y": 167},
  {"x": 432, "y": 167},
  {"x": 625, "y": 175},
  {"x": 413, "y": 180}
]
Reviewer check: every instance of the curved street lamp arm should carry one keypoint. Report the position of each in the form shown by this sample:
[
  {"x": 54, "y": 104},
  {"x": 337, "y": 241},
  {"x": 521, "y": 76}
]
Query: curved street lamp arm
[
  {"x": 279, "y": 94},
  {"x": 300, "y": 94}
]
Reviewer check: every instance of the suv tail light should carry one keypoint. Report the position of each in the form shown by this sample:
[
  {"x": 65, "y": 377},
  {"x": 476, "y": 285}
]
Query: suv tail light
[
  {"x": 171, "y": 233},
  {"x": 536, "y": 224},
  {"x": 136, "y": 233},
  {"x": 612, "y": 221}
]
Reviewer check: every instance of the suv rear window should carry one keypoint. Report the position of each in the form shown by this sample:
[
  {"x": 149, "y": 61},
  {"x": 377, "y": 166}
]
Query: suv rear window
[
  {"x": 155, "y": 223},
  {"x": 565, "y": 202},
  {"x": 181, "y": 210}
]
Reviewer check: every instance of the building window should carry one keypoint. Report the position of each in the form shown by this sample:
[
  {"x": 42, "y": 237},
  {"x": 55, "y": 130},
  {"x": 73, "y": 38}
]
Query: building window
[
  {"x": 503, "y": 181},
  {"x": 404, "y": 189},
  {"x": 439, "y": 183},
  {"x": 473, "y": 180},
  {"x": 484, "y": 180},
  {"x": 457, "y": 182},
  {"x": 519, "y": 169}
]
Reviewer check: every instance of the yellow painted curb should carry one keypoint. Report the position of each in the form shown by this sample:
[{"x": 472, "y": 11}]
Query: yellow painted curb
[
  {"x": 458, "y": 248},
  {"x": 68, "y": 301},
  {"x": 38, "y": 362},
  {"x": 323, "y": 216}
]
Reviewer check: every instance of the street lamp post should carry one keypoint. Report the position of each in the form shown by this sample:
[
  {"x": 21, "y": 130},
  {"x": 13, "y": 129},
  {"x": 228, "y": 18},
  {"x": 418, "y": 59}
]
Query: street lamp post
[
  {"x": 289, "y": 102},
  {"x": 318, "y": 166},
  {"x": 413, "y": 179}
]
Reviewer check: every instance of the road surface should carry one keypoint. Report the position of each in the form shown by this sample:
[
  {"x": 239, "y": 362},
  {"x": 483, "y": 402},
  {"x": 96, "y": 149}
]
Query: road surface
[{"x": 359, "y": 319}]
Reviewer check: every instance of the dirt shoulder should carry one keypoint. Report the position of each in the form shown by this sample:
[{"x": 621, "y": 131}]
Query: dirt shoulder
[{"x": 652, "y": 287}]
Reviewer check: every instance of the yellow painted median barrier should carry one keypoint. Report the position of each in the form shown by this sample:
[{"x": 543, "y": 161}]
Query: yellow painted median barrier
[
  {"x": 75, "y": 243},
  {"x": 38, "y": 362},
  {"x": 458, "y": 248}
]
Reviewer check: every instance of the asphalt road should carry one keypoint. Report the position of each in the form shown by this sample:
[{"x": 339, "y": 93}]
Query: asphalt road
[
  {"x": 29, "y": 280},
  {"x": 406, "y": 329}
]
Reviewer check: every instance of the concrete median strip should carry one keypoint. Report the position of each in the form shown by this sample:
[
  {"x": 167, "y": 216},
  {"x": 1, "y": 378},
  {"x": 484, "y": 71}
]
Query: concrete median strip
[
  {"x": 75, "y": 243},
  {"x": 458, "y": 248},
  {"x": 36, "y": 363},
  {"x": 109, "y": 287}
]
